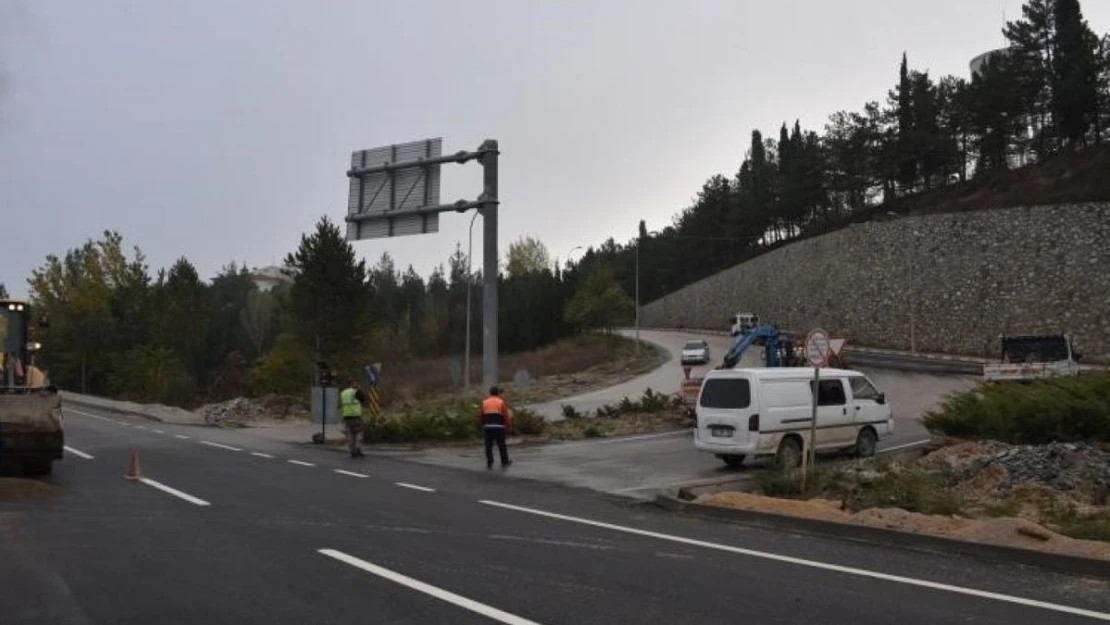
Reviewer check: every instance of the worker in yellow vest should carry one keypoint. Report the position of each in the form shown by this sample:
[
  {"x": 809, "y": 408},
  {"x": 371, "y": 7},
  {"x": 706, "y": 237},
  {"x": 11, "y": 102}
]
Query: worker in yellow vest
[{"x": 350, "y": 408}]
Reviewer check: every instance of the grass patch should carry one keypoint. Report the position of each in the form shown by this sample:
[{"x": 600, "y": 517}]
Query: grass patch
[
  {"x": 1066, "y": 409},
  {"x": 1082, "y": 526},
  {"x": 910, "y": 489},
  {"x": 779, "y": 483}
]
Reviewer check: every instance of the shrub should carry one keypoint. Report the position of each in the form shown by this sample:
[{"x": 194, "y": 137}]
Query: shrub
[
  {"x": 909, "y": 489},
  {"x": 529, "y": 423},
  {"x": 592, "y": 432},
  {"x": 1043, "y": 411},
  {"x": 570, "y": 412}
]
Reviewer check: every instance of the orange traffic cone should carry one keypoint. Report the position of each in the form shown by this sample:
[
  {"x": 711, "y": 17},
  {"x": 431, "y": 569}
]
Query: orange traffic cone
[{"x": 133, "y": 470}]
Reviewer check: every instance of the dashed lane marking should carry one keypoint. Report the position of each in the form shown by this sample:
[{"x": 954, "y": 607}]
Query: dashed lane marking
[
  {"x": 227, "y": 447},
  {"x": 351, "y": 473},
  {"x": 415, "y": 487},
  {"x": 78, "y": 453},
  {"x": 173, "y": 491}
]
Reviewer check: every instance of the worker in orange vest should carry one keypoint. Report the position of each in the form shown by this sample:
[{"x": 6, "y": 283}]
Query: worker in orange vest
[{"x": 496, "y": 424}]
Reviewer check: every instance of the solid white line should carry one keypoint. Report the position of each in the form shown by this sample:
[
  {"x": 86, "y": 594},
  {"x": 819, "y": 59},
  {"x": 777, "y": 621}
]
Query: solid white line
[
  {"x": 174, "y": 492},
  {"x": 124, "y": 424},
  {"x": 443, "y": 595},
  {"x": 140, "y": 427},
  {"x": 260, "y": 454},
  {"x": 79, "y": 454},
  {"x": 623, "y": 439},
  {"x": 181, "y": 436},
  {"x": 227, "y": 447},
  {"x": 897, "y": 447},
  {"x": 415, "y": 487},
  {"x": 159, "y": 432},
  {"x": 1104, "y": 616},
  {"x": 89, "y": 414},
  {"x": 301, "y": 462},
  {"x": 351, "y": 473}
]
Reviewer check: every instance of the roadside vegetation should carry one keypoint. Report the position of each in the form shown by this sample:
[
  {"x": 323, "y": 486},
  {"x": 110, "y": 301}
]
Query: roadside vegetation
[
  {"x": 1069, "y": 409},
  {"x": 455, "y": 420}
]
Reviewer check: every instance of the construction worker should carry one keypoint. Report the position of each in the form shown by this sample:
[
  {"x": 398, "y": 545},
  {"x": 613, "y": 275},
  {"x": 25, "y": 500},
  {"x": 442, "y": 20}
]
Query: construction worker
[
  {"x": 350, "y": 408},
  {"x": 496, "y": 424}
]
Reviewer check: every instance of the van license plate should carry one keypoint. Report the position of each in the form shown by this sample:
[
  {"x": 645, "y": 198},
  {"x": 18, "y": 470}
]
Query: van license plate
[{"x": 721, "y": 432}]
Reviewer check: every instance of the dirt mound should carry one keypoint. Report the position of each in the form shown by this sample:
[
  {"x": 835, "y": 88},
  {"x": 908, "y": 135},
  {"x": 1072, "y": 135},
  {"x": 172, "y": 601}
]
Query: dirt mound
[{"x": 1012, "y": 532}]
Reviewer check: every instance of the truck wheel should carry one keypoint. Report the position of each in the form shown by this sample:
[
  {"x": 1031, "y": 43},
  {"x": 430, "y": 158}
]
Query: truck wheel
[
  {"x": 866, "y": 442},
  {"x": 789, "y": 455},
  {"x": 734, "y": 461},
  {"x": 35, "y": 468}
]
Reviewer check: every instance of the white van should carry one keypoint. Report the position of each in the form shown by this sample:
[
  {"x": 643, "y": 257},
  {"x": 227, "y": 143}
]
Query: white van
[{"x": 767, "y": 412}]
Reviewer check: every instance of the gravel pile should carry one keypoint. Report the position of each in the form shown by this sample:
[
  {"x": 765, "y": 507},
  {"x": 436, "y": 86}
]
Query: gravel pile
[
  {"x": 232, "y": 413},
  {"x": 1060, "y": 466}
]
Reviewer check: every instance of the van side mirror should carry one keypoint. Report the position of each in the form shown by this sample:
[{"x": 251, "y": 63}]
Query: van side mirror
[{"x": 881, "y": 399}]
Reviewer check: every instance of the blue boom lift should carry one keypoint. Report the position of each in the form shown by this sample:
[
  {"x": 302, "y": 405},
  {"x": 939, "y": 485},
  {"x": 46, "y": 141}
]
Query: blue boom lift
[{"x": 779, "y": 347}]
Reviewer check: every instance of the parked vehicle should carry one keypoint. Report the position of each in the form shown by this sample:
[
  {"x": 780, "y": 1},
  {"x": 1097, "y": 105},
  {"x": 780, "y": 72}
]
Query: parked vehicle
[
  {"x": 742, "y": 322},
  {"x": 1030, "y": 357},
  {"x": 695, "y": 352},
  {"x": 744, "y": 413}
]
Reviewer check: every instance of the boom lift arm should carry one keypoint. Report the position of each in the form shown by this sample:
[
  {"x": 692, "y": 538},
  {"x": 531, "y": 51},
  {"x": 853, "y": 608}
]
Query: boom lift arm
[{"x": 773, "y": 342}]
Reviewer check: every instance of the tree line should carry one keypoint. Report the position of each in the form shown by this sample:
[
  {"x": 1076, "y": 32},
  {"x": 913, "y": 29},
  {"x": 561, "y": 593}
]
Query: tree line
[
  {"x": 117, "y": 330},
  {"x": 1047, "y": 92}
]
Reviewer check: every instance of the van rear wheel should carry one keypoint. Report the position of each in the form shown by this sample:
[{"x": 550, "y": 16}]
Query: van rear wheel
[
  {"x": 866, "y": 441},
  {"x": 789, "y": 455},
  {"x": 734, "y": 461}
]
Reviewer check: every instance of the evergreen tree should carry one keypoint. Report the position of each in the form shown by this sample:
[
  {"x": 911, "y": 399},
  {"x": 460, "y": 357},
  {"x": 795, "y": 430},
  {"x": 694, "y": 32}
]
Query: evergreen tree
[
  {"x": 3, "y": 291},
  {"x": 328, "y": 300},
  {"x": 905, "y": 147},
  {"x": 1075, "y": 76},
  {"x": 1029, "y": 61}
]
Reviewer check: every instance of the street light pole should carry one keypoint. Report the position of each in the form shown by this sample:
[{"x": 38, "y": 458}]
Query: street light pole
[
  {"x": 639, "y": 239},
  {"x": 469, "y": 281}
]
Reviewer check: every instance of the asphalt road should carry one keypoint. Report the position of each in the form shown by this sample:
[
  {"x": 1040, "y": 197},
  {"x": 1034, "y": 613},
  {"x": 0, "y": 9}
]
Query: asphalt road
[
  {"x": 234, "y": 528},
  {"x": 644, "y": 465}
]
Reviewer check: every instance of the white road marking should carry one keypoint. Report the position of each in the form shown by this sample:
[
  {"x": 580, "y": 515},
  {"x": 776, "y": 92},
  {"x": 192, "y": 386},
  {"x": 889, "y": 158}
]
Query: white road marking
[
  {"x": 140, "y": 427},
  {"x": 301, "y": 462},
  {"x": 159, "y": 432},
  {"x": 433, "y": 591},
  {"x": 351, "y": 473},
  {"x": 547, "y": 541},
  {"x": 1056, "y": 607},
  {"x": 124, "y": 424},
  {"x": 79, "y": 454},
  {"x": 227, "y": 447},
  {"x": 91, "y": 415},
  {"x": 626, "y": 439},
  {"x": 897, "y": 447},
  {"x": 415, "y": 487},
  {"x": 181, "y": 436},
  {"x": 260, "y": 454},
  {"x": 173, "y": 491}
]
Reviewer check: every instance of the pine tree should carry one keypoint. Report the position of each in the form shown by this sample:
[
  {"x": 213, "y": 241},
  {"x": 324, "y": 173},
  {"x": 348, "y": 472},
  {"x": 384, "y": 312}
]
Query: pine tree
[
  {"x": 926, "y": 127},
  {"x": 329, "y": 296},
  {"x": 3, "y": 291},
  {"x": 1029, "y": 57},
  {"x": 1075, "y": 75},
  {"x": 905, "y": 152}
]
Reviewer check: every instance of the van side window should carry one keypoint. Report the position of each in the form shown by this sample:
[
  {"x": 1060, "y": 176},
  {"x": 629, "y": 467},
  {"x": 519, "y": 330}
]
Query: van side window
[
  {"x": 830, "y": 393},
  {"x": 862, "y": 388},
  {"x": 726, "y": 393}
]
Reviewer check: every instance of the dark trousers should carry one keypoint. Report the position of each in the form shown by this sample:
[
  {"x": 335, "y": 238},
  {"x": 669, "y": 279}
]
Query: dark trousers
[{"x": 496, "y": 435}]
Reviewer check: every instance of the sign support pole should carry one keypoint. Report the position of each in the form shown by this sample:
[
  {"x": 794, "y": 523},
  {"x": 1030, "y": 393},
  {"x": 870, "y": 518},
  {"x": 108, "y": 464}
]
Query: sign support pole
[
  {"x": 490, "y": 272},
  {"x": 809, "y": 458}
]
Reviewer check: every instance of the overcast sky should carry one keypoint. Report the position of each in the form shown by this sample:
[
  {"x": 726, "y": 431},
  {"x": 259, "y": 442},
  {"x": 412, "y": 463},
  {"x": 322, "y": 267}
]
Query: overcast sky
[{"x": 221, "y": 129}]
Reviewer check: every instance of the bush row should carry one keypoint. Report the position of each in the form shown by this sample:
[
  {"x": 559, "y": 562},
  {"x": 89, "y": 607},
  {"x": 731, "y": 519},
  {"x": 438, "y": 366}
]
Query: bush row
[{"x": 1063, "y": 409}]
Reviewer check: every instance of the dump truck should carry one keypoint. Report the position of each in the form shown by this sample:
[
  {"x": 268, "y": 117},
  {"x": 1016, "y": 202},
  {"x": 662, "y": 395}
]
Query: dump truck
[
  {"x": 1030, "y": 357},
  {"x": 31, "y": 433}
]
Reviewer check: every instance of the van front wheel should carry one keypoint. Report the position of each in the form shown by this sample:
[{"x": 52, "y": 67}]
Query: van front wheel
[
  {"x": 866, "y": 442},
  {"x": 789, "y": 455}
]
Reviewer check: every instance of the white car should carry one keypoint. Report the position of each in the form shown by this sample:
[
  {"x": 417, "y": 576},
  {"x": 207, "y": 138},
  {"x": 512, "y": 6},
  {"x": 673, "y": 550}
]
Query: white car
[
  {"x": 695, "y": 352},
  {"x": 768, "y": 412}
]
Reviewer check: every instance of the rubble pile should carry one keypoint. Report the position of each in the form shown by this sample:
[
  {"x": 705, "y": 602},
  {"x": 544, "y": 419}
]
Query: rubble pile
[
  {"x": 232, "y": 413},
  {"x": 1062, "y": 467}
]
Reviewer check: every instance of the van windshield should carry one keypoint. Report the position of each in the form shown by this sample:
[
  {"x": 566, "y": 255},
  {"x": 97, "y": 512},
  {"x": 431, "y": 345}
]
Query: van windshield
[
  {"x": 694, "y": 345},
  {"x": 726, "y": 393},
  {"x": 1035, "y": 349}
]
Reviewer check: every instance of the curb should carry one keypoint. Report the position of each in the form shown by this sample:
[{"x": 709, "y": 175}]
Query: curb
[
  {"x": 1074, "y": 565},
  {"x": 133, "y": 413}
]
